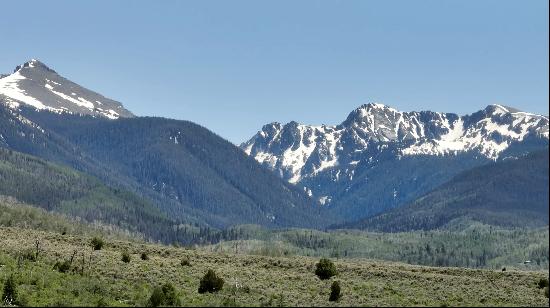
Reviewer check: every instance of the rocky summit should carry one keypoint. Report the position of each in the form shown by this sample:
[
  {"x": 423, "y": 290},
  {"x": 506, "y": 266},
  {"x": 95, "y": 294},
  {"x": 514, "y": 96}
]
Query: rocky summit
[{"x": 36, "y": 85}]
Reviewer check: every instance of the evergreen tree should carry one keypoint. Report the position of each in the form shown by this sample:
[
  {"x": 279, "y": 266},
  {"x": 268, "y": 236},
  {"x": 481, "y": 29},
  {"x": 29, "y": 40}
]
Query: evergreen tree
[{"x": 9, "y": 295}]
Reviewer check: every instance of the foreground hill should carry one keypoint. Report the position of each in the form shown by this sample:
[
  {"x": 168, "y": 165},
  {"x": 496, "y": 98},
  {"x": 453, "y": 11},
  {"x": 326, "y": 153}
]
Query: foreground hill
[
  {"x": 511, "y": 193},
  {"x": 102, "y": 278}
]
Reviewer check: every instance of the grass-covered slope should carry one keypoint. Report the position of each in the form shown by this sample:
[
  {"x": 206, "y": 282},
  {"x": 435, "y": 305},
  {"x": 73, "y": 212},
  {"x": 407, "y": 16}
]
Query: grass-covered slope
[
  {"x": 16, "y": 214},
  {"x": 102, "y": 278},
  {"x": 510, "y": 193}
]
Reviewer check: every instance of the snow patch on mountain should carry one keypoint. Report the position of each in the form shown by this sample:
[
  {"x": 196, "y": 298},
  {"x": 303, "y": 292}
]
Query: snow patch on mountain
[
  {"x": 9, "y": 87},
  {"x": 36, "y": 85},
  {"x": 297, "y": 151},
  {"x": 489, "y": 136}
]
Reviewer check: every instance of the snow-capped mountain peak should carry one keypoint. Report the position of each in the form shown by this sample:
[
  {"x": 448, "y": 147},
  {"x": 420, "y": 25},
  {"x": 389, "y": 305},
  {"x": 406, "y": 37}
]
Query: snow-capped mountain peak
[
  {"x": 33, "y": 63},
  {"x": 36, "y": 85},
  {"x": 297, "y": 151}
]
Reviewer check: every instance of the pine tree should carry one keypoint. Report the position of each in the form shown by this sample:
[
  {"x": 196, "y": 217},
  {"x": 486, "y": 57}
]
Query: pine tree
[{"x": 9, "y": 295}]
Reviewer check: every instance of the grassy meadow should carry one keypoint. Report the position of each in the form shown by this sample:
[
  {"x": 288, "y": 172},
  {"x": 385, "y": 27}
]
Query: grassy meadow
[{"x": 101, "y": 278}]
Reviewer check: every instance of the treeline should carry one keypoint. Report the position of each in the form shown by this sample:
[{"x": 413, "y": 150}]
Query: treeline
[{"x": 475, "y": 245}]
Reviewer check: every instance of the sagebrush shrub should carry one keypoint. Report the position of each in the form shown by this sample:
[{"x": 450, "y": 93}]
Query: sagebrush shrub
[
  {"x": 543, "y": 282},
  {"x": 29, "y": 255},
  {"x": 97, "y": 243},
  {"x": 102, "y": 303},
  {"x": 325, "y": 269},
  {"x": 334, "y": 292},
  {"x": 210, "y": 282},
  {"x": 125, "y": 257},
  {"x": 62, "y": 267},
  {"x": 164, "y": 296},
  {"x": 157, "y": 297},
  {"x": 170, "y": 297},
  {"x": 185, "y": 262}
]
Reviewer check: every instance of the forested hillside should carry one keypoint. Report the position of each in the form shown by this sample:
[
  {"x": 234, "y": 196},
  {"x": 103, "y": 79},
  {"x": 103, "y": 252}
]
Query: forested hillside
[
  {"x": 466, "y": 244},
  {"x": 511, "y": 193},
  {"x": 189, "y": 173},
  {"x": 64, "y": 190}
]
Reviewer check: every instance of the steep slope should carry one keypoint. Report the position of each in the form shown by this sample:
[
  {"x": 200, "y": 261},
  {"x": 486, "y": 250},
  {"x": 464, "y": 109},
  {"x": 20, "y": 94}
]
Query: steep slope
[
  {"x": 201, "y": 180},
  {"x": 190, "y": 173},
  {"x": 34, "y": 84},
  {"x": 513, "y": 192},
  {"x": 190, "y": 165},
  {"x": 380, "y": 158}
]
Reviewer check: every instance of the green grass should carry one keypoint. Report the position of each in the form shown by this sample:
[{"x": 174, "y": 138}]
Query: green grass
[
  {"x": 249, "y": 280},
  {"x": 16, "y": 214}
]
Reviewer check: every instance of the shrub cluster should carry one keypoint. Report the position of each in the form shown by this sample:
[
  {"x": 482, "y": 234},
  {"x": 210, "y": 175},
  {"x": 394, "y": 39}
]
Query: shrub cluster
[
  {"x": 125, "y": 257},
  {"x": 164, "y": 296},
  {"x": 97, "y": 243},
  {"x": 185, "y": 262},
  {"x": 325, "y": 269},
  {"x": 29, "y": 255},
  {"x": 63, "y": 266},
  {"x": 543, "y": 282},
  {"x": 210, "y": 282},
  {"x": 334, "y": 292}
]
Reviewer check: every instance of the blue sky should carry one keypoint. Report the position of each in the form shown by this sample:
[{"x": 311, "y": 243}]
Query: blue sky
[{"x": 233, "y": 66}]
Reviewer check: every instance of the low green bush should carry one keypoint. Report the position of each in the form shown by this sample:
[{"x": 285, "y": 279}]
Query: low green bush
[
  {"x": 97, "y": 243},
  {"x": 543, "y": 282},
  {"x": 185, "y": 262},
  {"x": 164, "y": 296},
  {"x": 325, "y": 269},
  {"x": 334, "y": 292},
  {"x": 157, "y": 297},
  {"x": 210, "y": 282},
  {"x": 126, "y": 257},
  {"x": 62, "y": 266}
]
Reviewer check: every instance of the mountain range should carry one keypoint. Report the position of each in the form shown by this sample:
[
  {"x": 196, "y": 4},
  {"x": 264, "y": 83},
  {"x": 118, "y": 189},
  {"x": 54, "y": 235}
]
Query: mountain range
[
  {"x": 186, "y": 171},
  {"x": 380, "y": 158},
  {"x": 71, "y": 150}
]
